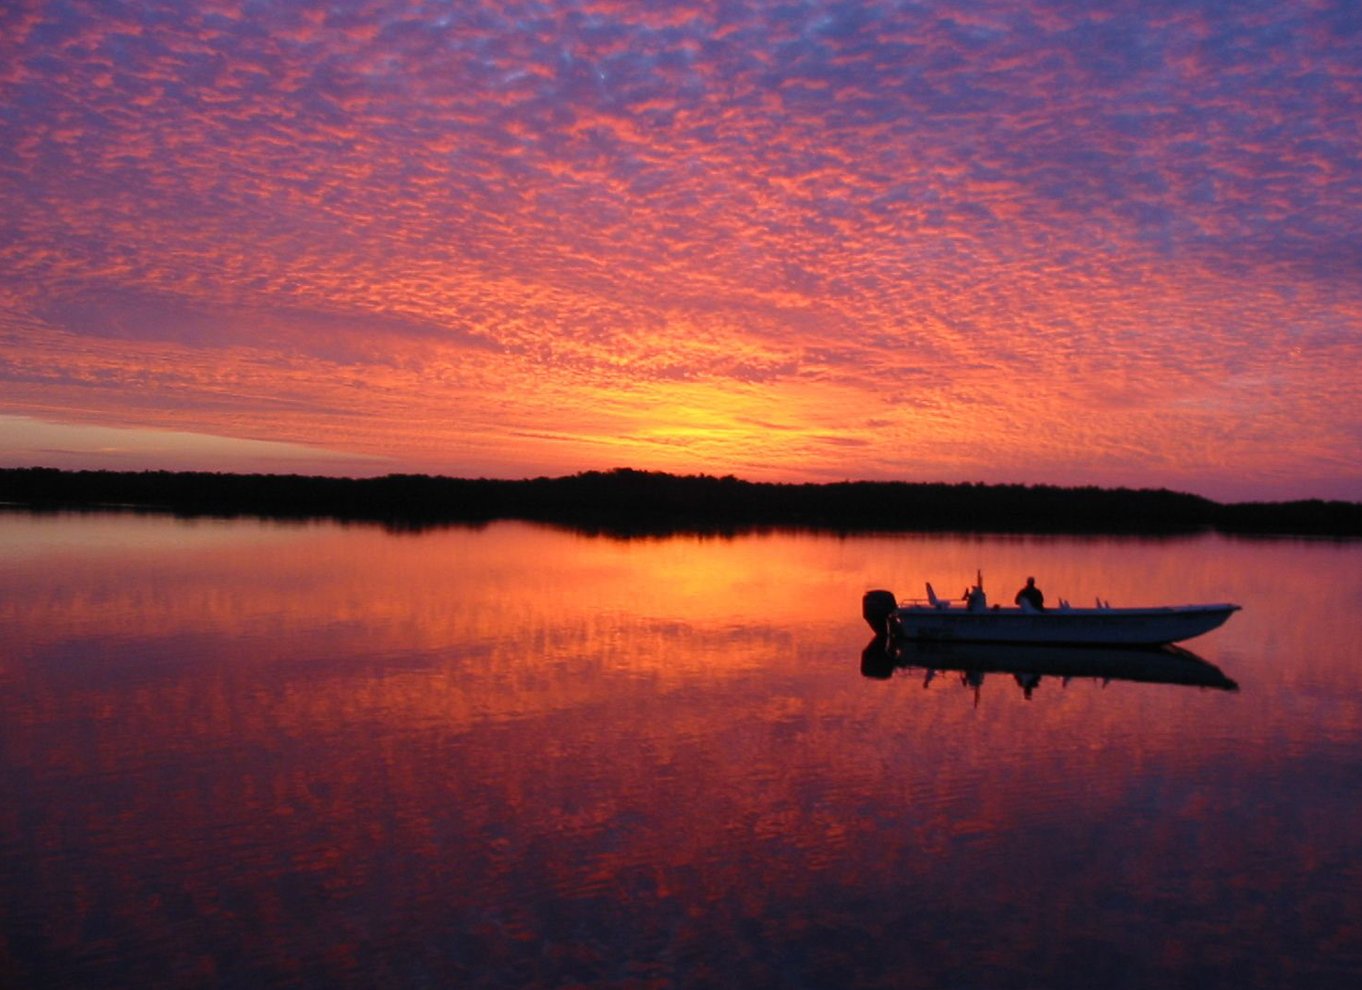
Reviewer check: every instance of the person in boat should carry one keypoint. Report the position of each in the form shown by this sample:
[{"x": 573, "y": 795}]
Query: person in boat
[{"x": 1031, "y": 595}]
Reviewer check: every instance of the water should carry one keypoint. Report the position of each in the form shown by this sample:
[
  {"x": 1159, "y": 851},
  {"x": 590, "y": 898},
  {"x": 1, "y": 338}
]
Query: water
[{"x": 236, "y": 753}]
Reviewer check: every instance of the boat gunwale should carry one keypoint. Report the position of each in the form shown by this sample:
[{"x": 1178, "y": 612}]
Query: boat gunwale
[{"x": 1082, "y": 611}]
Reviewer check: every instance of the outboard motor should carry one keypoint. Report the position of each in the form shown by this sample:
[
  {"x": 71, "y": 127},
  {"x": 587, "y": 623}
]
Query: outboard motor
[{"x": 876, "y": 608}]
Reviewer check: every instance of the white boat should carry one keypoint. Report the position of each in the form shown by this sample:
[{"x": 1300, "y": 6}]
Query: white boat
[{"x": 972, "y": 620}]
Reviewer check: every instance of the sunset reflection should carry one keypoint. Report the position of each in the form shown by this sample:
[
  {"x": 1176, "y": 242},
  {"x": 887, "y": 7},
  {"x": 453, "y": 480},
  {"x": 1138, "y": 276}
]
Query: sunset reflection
[{"x": 512, "y": 754}]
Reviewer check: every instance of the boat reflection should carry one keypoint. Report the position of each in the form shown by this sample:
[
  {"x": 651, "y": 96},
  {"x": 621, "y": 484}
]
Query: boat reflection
[{"x": 1029, "y": 664}]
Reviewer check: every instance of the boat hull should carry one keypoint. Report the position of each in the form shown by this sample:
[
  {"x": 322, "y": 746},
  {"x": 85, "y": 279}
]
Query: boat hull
[{"x": 1072, "y": 626}]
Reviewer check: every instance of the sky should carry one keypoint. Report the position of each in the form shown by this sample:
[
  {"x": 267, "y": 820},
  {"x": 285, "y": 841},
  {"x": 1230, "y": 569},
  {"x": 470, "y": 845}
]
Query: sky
[{"x": 1040, "y": 242}]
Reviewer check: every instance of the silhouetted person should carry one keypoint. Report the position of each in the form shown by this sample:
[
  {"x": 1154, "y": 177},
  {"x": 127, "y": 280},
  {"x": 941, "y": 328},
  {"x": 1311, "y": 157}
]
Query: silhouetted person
[{"x": 1031, "y": 595}]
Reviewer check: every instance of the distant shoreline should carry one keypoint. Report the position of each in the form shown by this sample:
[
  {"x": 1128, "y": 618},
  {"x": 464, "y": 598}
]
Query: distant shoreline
[{"x": 627, "y": 501}]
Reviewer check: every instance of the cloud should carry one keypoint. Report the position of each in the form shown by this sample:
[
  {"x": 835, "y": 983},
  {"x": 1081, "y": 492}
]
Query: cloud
[{"x": 481, "y": 217}]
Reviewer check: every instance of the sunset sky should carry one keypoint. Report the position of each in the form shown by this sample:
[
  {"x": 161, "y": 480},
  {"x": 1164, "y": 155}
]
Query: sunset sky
[{"x": 1037, "y": 241}]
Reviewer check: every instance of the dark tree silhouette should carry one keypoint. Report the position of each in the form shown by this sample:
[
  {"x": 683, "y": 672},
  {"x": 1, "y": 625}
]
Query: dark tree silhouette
[{"x": 627, "y": 501}]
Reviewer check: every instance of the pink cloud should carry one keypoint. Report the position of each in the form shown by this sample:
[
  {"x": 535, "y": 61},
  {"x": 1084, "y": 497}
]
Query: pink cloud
[{"x": 1137, "y": 229}]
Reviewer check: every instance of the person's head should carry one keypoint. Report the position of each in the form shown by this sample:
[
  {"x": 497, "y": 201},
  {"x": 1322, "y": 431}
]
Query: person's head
[{"x": 1030, "y": 582}]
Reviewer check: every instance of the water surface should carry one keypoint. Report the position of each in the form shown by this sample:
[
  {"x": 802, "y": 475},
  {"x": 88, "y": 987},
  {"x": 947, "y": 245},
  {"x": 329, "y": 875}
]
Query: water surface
[{"x": 242, "y": 753}]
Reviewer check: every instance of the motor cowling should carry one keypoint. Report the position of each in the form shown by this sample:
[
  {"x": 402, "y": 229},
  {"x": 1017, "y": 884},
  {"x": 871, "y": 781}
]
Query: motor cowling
[{"x": 876, "y": 608}]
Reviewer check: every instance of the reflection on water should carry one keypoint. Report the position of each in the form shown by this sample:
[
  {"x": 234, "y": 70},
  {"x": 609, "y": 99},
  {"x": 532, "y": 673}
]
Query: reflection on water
[
  {"x": 1029, "y": 665},
  {"x": 240, "y": 753}
]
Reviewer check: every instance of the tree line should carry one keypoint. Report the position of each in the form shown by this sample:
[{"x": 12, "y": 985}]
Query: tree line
[{"x": 631, "y": 501}]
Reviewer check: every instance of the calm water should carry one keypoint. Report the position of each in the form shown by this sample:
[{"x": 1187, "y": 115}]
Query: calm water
[{"x": 236, "y": 753}]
